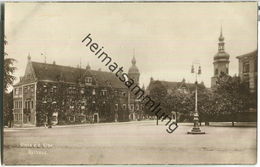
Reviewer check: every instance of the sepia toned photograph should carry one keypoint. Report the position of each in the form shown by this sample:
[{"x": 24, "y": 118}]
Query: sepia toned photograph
[{"x": 98, "y": 83}]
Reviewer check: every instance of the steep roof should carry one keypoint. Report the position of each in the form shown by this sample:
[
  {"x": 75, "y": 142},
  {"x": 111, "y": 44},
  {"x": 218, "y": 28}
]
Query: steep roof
[
  {"x": 52, "y": 72},
  {"x": 172, "y": 85}
]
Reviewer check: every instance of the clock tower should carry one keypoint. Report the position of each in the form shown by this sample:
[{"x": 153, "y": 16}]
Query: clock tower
[{"x": 221, "y": 60}]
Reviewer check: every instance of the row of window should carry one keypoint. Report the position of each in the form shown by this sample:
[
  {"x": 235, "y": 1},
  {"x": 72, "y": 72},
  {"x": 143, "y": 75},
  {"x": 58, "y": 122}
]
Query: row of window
[
  {"x": 246, "y": 67},
  {"x": 131, "y": 107},
  {"x": 18, "y": 91},
  {"x": 18, "y": 117},
  {"x": 27, "y": 104},
  {"x": 17, "y": 104},
  {"x": 73, "y": 90},
  {"x": 28, "y": 89}
]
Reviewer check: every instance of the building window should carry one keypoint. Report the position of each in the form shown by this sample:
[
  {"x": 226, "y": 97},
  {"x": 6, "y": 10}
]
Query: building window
[
  {"x": 32, "y": 104},
  {"x": 94, "y": 92},
  {"x": 216, "y": 71},
  {"x": 103, "y": 92},
  {"x": 137, "y": 106},
  {"x": 116, "y": 92},
  {"x": 124, "y": 106},
  {"x": 45, "y": 89},
  {"x": 54, "y": 89},
  {"x": 246, "y": 67},
  {"x": 25, "y": 89},
  {"x": 25, "y": 104},
  {"x": 88, "y": 80},
  {"x": 20, "y": 104},
  {"x": 16, "y": 91},
  {"x": 116, "y": 107},
  {"x": 72, "y": 90},
  {"x": 15, "y": 104},
  {"x": 20, "y": 91},
  {"x": 32, "y": 89}
]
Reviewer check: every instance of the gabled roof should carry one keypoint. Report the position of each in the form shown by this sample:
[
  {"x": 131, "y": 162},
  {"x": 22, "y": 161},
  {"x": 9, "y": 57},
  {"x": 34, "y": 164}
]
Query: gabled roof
[
  {"x": 53, "y": 72},
  {"x": 172, "y": 85}
]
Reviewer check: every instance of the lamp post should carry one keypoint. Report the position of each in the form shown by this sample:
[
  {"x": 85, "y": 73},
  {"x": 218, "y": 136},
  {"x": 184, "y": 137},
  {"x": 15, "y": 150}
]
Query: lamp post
[{"x": 196, "y": 128}]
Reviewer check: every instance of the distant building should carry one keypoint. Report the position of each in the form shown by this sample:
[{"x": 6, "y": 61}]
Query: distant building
[
  {"x": 173, "y": 87},
  {"x": 72, "y": 95},
  {"x": 248, "y": 69},
  {"x": 134, "y": 112},
  {"x": 168, "y": 88},
  {"x": 221, "y": 60}
]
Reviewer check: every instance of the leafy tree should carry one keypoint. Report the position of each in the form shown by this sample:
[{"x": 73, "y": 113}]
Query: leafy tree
[
  {"x": 231, "y": 96},
  {"x": 8, "y": 71},
  {"x": 8, "y": 81}
]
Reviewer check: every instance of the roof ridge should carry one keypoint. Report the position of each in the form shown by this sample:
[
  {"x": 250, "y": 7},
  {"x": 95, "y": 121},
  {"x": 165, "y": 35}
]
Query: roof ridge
[{"x": 69, "y": 67}]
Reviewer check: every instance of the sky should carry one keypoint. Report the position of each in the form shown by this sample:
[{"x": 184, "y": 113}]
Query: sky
[{"x": 166, "y": 38}]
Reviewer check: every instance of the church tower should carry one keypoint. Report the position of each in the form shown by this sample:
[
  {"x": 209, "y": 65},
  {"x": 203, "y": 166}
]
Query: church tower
[
  {"x": 221, "y": 60},
  {"x": 133, "y": 72}
]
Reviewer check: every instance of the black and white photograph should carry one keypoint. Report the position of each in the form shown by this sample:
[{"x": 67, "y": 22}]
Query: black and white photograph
[{"x": 119, "y": 83}]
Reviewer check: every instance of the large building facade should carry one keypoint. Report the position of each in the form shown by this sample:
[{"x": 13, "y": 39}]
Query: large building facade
[
  {"x": 221, "y": 61},
  {"x": 69, "y": 95},
  {"x": 247, "y": 69}
]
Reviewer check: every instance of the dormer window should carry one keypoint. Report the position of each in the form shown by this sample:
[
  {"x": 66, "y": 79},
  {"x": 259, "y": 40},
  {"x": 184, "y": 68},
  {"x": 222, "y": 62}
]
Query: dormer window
[
  {"x": 88, "y": 80},
  {"x": 103, "y": 92}
]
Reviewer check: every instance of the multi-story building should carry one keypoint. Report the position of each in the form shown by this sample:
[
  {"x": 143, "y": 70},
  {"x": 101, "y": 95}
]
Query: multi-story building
[
  {"x": 248, "y": 69},
  {"x": 173, "y": 87},
  {"x": 67, "y": 95},
  {"x": 221, "y": 61}
]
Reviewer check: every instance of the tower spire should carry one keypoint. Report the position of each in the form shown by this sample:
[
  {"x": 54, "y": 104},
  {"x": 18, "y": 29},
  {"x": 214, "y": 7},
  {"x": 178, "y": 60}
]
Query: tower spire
[
  {"x": 221, "y": 42},
  {"x": 133, "y": 61},
  {"x": 221, "y": 30},
  {"x": 29, "y": 57}
]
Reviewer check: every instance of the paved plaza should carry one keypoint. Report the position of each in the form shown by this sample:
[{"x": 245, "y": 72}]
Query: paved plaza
[{"x": 139, "y": 142}]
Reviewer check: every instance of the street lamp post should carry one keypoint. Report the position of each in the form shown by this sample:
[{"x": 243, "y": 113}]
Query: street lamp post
[{"x": 196, "y": 128}]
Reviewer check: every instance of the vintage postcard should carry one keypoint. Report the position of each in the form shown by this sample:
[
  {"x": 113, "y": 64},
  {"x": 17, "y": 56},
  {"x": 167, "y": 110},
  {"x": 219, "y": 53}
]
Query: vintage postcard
[{"x": 130, "y": 83}]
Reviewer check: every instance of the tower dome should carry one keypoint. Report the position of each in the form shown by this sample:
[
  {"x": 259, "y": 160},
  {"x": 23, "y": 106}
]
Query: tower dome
[
  {"x": 133, "y": 72},
  {"x": 221, "y": 54},
  {"x": 221, "y": 61},
  {"x": 133, "y": 68}
]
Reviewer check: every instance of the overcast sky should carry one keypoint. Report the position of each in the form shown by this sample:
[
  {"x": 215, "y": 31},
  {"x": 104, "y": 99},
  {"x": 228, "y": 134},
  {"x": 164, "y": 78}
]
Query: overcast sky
[{"x": 166, "y": 37}]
